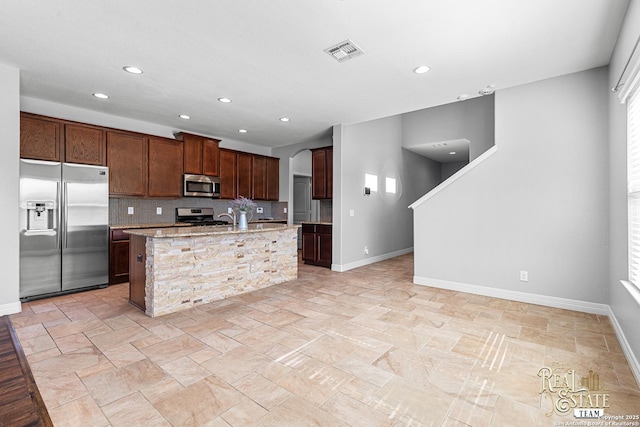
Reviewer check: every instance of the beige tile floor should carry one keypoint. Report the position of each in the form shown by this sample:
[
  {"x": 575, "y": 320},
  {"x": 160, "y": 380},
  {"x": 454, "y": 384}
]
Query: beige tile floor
[{"x": 361, "y": 348}]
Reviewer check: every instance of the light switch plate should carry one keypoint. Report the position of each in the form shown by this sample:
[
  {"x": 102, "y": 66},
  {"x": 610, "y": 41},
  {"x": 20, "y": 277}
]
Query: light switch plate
[
  {"x": 285, "y": 210},
  {"x": 229, "y": 210},
  {"x": 158, "y": 210},
  {"x": 352, "y": 213},
  {"x": 130, "y": 210}
]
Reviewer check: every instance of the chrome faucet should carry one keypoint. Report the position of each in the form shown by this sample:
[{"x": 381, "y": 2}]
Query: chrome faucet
[{"x": 233, "y": 217}]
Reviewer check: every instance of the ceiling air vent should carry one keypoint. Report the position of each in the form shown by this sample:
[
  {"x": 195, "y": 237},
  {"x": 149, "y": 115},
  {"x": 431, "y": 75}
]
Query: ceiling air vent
[{"x": 344, "y": 51}]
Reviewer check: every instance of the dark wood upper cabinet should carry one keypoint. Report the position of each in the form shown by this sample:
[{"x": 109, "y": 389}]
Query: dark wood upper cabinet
[
  {"x": 273, "y": 179},
  {"x": 228, "y": 172},
  {"x": 192, "y": 154},
  {"x": 127, "y": 162},
  {"x": 39, "y": 138},
  {"x": 201, "y": 154},
  {"x": 259, "y": 187},
  {"x": 245, "y": 175},
  {"x": 210, "y": 157},
  {"x": 151, "y": 166},
  {"x": 329, "y": 169},
  {"x": 84, "y": 144},
  {"x": 322, "y": 173},
  {"x": 165, "y": 167}
]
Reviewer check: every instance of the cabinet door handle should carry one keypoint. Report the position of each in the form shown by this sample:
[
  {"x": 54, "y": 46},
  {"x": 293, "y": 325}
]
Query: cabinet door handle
[{"x": 139, "y": 257}]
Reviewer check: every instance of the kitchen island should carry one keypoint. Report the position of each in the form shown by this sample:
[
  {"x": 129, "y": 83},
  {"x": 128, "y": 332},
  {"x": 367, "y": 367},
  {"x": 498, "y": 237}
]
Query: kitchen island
[{"x": 176, "y": 268}]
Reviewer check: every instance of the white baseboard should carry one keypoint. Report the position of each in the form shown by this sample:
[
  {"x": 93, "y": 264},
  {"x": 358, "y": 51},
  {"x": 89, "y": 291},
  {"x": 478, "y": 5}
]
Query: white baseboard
[
  {"x": 634, "y": 364},
  {"x": 565, "y": 303},
  {"x": 11, "y": 308},
  {"x": 568, "y": 304},
  {"x": 361, "y": 263}
]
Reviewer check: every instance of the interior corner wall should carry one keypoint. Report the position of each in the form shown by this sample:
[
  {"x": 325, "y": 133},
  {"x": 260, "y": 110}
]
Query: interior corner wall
[
  {"x": 381, "y": 221},
  {"x": 538, "y": 204},
  {"x": 286, "y": 154},
  {"x": 472, "y": 119},
  {"x": 9, "y": 191},
  {"x": 625, "y": 308}
]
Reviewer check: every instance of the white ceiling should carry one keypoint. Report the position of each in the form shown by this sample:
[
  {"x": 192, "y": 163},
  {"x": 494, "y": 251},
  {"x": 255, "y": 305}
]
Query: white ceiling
[
  {"x": 267, "y": 56},
  {"x": 456, "y": 150}
]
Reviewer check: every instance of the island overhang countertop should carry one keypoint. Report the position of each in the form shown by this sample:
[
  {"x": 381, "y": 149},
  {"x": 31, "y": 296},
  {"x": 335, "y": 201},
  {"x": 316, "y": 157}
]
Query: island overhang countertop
[
  {"x": 206, "y": 230},
  {"x": 176, "y": 268}
]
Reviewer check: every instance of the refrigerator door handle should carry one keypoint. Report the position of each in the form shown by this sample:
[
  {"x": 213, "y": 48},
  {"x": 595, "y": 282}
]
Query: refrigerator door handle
[
  {"x": 58, "y": 215},
  {"x": 63, "y": 223}
]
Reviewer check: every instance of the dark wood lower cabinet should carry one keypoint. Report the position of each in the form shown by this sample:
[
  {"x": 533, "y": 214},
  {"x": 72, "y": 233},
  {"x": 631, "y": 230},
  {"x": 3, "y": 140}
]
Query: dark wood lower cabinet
[
  {"x": 118, "y": 257},
  {"x": 316, "y": 244},
  {"x": 137, "y": 270}
]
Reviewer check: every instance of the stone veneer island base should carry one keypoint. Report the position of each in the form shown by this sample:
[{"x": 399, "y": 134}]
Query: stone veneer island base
[{"x": 176, "y": 268}]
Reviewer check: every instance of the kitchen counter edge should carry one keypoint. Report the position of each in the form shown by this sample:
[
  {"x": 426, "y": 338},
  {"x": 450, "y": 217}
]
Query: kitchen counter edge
[{"x": 169, "y": 232}]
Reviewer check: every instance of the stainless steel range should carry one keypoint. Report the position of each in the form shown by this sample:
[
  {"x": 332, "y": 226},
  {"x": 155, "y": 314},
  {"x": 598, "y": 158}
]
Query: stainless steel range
[{"x": 197, "y": 216}]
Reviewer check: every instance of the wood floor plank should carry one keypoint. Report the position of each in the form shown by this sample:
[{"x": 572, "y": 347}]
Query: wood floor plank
[{"x": 20, "y": 400}]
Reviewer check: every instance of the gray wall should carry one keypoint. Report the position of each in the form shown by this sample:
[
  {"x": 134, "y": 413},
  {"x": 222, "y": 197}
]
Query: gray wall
[
  {"x": 625, "y": 308},
  {"x": 472, "y": 119},
  {"x": 449, "y": 168},
  {"x": 286, "y": 155},
  {"x": 9, "y": 176},
  {"x": 538, "y": 204},
  {"x": 301, "y": 163},
  {"x": 381, "y": 221}
]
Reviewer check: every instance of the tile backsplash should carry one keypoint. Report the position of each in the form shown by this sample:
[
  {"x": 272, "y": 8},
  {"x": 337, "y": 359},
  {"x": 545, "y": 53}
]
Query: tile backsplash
[
  {"x": 326, "y": 210},
  {"x": 145, "y": 210}
]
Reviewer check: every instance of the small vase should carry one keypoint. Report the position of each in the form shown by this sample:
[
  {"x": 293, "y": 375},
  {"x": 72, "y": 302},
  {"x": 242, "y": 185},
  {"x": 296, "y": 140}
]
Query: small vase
[{"x": 242, "y": 221}]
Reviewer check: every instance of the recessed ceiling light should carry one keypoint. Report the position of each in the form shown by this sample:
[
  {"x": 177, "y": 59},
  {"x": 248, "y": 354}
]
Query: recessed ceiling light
[
  {"x": 284, "y": 119},
  {"x": 184, "y": 116},
  {"x": 101, "y": 95},
  {"x": 242, "y": 130},
  {"x": 452, "y": 152},
  {"x": 224, "y": 100},
  {"x": 132, "y": 69},
  {"x": 462, "y": 97},
  {"x": 421, "y": 69}
]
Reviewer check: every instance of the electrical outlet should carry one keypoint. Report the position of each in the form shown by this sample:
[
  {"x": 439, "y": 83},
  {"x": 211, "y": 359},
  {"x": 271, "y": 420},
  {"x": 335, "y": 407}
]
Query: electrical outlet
[
  {"x": 524, "y": 276},
  {"x": 366, "y": 250},
  {"x": 130, "y": 210},
  {"x": 230, "y": 210},
  {"x": 158, "y": 210},
  {"x": 352, "y": 213},
  {"x": 285, "y": 210},
  {"x": 259, "y": 210}
]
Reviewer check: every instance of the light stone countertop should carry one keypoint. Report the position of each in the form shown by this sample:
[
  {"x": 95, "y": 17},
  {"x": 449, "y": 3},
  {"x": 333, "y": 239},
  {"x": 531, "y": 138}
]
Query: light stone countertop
[
  {"x": 206, "y": 230},
  {"x": 166, "y": 225},
  {"x": 159, "y": 225},
  {"x": 317, "y": 222}
]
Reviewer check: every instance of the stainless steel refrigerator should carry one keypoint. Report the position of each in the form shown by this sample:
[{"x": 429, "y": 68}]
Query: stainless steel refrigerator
[{"x": 64, "y": 228}]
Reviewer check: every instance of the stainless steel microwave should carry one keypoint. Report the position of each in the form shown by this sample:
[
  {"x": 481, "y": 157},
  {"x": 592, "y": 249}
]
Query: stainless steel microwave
[{"x": 201, "y": 186}]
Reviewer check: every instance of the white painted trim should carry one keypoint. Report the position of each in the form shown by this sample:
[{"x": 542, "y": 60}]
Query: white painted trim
[
  {"x": 634, "y": 364},
  {"x": 633, "y": 290},
  {"x": 361, "y": 263},
  {"x": 11, "y": 308},
  {"x": 475, "y": 162},
  {"x": 549, "y": 301}
]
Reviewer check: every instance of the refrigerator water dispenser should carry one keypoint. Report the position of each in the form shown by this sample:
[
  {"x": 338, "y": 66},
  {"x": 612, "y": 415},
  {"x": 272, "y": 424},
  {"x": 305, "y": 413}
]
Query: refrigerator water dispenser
[{"x": 40, "y": 215}]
